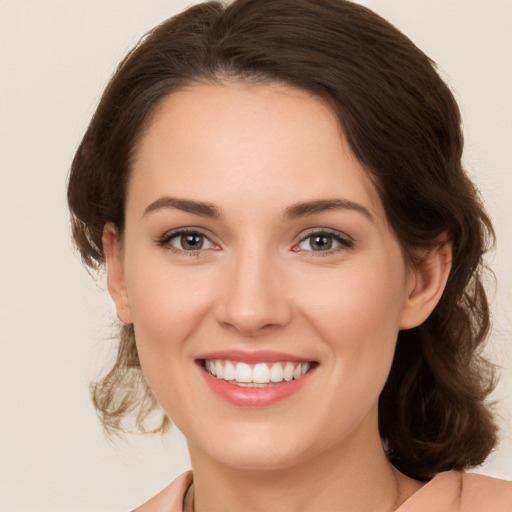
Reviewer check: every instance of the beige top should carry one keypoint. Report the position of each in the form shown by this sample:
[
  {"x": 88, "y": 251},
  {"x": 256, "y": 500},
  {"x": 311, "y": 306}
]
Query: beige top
[
  {"x": 454, "y": 491},
  {"x": 451, "y": 491}
]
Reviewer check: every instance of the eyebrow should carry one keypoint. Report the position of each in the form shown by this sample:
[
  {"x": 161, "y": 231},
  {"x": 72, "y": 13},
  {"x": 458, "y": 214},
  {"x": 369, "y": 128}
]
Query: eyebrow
[
  {"x": 295, "y": 211},
  {"x": 186, "y": 205},
  {"x": 324, "y": 205}
]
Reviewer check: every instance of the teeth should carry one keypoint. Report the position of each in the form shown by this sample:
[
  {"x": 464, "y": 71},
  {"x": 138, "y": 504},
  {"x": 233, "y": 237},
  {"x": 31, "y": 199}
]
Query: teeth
[
  {"x": 288, "y": 371},
  {"x": 229, "y": 371},
  {"x": 243, "y": 372},
  {"x": 276, "y": 372},
  {"x": 257, "y": 375},
  {"x": 261, "y": 374},
  {"x": 219, "y": 370}
]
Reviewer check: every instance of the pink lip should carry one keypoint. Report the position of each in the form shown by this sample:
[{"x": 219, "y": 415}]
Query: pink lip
[{"x": 262, "y": 356}]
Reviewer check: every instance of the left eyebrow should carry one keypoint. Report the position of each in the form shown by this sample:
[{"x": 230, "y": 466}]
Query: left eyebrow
[
  {"x": 186, "y": 205},
  {"x": 324, "y": 205}
]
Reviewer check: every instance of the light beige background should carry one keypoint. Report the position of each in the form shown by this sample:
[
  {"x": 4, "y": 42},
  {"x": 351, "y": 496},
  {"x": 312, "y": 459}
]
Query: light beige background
[{"x": 55, "y": 58}]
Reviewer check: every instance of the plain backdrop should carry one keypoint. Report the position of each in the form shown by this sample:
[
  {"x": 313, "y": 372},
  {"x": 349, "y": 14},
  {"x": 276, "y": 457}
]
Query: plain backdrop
[{"x": 55, "y": 58}]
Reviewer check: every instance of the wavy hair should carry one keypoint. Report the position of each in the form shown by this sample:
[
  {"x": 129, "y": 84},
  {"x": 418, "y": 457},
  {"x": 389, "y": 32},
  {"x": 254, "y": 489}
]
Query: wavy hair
[{"x": 403, "y": 125}]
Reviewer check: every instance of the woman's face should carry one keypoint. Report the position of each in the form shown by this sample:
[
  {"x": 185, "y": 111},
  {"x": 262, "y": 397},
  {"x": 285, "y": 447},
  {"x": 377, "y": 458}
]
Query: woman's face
[{"x": 256, "y": 244}]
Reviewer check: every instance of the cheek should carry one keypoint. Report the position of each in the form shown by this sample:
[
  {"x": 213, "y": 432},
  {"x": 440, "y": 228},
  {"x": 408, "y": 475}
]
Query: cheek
[
  {"x": 362, "y": 299},
  {"x": 166, "y": 304},
  {"x": 358, "y": 318}
]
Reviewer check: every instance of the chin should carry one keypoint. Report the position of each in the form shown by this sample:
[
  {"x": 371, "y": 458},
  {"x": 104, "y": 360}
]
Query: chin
[
  {"x": 258, "y": 459},
  {"x": 253, "y": 450}
]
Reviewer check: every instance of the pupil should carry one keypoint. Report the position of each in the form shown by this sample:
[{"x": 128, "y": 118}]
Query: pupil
[
  {"x": 191, "y": 241},
  {"x": 321, "y": 242}
]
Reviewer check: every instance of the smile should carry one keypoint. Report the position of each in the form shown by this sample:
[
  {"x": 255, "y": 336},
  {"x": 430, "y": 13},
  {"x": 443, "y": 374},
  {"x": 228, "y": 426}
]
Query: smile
[
  {"x": 256, "y": 375},
  {"x": 255, "y": 379}
]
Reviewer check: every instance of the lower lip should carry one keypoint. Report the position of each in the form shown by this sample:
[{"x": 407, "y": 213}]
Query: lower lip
[{"x": 254, "y": 397}]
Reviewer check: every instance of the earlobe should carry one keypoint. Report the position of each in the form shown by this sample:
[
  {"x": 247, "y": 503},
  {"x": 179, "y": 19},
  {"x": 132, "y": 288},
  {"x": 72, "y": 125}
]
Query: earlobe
[
  {"x": 427, "y": 282},
  {"x": 115, "y": 272}
]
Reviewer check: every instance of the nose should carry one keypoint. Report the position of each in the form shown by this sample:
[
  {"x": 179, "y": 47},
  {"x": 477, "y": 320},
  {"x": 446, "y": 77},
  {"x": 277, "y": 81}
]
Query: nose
[{"x": 254, "y": 296}]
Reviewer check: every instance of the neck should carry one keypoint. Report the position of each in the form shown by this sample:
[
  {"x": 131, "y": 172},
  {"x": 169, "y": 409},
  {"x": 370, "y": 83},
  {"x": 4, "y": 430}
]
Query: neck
[{"x": 355, "y": 477}]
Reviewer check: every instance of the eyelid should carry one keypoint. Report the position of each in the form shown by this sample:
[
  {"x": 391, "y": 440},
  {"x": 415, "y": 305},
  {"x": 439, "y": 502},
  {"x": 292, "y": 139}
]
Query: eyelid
[
  {"x": 326, "y": 231},
  {"x": 345, "y": 241},
  {"x": 164, "y": 240}
]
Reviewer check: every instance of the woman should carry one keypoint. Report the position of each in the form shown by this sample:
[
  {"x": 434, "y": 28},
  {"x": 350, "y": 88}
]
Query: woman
[{"x": 295, "y": 252}]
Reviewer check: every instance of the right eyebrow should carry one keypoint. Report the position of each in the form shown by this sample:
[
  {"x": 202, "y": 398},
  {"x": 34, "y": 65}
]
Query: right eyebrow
[
  {"x": 304, "y": 209},
  {"x": 186, "y": 205}
]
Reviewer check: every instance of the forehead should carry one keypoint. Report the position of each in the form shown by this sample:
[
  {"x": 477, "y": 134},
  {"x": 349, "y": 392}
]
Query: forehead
[{"x": 239, "y": 142}]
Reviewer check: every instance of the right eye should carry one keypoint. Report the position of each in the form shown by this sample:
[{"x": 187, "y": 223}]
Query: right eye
[{"x": 186, "y": 241}]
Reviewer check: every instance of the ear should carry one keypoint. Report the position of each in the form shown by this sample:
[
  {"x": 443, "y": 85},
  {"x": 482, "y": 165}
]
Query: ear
[
  {"x": 427, "y": 281},
  {"x": 115, "y": 272}
]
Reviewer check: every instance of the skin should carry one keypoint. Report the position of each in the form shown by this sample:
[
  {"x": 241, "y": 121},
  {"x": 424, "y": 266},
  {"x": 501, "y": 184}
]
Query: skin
[{"x": 256, "y": 284}]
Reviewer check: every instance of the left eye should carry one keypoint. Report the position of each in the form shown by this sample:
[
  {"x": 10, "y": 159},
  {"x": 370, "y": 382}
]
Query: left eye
[
  {"x": 189, "y": 241},
  {"x": 322, "y": 242}
]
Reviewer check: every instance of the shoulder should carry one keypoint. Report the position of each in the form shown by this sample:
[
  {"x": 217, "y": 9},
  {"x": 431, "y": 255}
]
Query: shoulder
[
  {"x": 454, "y": 491},
  {"x": 169, "y": 499}
]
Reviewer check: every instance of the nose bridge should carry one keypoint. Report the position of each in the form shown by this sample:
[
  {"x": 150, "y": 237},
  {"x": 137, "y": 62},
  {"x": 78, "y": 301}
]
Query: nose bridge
[{"x": 254, "y": 291}]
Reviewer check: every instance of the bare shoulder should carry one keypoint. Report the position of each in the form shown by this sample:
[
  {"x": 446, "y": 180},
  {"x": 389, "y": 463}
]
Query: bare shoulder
[{"x": 169, "y": 499}]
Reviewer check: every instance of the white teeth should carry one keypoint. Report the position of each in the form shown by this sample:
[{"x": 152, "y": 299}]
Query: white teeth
[
  {"x": 276, "y": 372},
  {"x": 243, "y": 372},
  {"x": 257, "y": 375},
  {"x": 229, "y": 371},
  {"x": 261, "y": 373},
  {"x": 288, "y": 371},
  {"x": 219, "y": 369}
]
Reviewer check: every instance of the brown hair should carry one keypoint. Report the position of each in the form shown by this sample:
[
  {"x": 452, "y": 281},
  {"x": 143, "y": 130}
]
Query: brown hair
[{"x": 404, "y": 126}]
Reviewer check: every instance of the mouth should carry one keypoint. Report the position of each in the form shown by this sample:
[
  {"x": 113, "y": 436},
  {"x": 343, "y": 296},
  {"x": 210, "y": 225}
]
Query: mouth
[
  {"x": 256, "y": 379},
  {"x": 258, "y": 375}
]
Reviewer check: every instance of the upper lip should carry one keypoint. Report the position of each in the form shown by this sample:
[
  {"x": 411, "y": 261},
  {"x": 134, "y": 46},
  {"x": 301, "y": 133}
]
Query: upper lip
[{"x": 260, "y": 356}]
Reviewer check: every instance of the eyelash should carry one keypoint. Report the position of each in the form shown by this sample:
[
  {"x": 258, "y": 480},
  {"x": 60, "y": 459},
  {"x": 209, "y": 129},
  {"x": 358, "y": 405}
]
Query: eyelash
[
  {"x": 165, "y": 240},
  {"x": 345, "y": 241}
]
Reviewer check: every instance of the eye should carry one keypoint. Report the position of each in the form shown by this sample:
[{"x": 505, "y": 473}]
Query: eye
[
  {"x": 325, "y": 242},
  {"x": 186, "y": 240}
]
